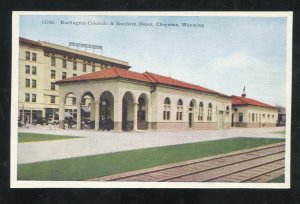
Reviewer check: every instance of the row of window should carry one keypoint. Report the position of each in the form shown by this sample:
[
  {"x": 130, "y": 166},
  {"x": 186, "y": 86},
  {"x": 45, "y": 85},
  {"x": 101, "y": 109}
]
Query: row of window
[
  {"x": 27, "y": 70},
  {"x": 27, "y": 97},
  {"x": 33, "y": 57},
  {"x": 29, "y": 115},
  {"x": 167, "y": 110},
  {"x": 64, "y": 65},
  {"x": 29, "y": 55},
  {"x": 33, "y": 83},
  {"x": 64, "y": 74},
  {"x": 33, "y": 98},
  {"x": 255, "y": 117}
]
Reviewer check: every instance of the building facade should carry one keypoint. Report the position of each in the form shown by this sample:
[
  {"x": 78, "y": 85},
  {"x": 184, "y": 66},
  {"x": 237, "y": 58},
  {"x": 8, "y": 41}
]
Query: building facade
[
  {"x": 247, "y": 112},
  {"x": 41, "y": 64},
  {"x": 56, "y": 82},
  {"x": 137, "y": 101}
]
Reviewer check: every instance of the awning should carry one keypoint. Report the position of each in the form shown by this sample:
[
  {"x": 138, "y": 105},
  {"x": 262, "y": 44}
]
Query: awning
[
  {"x": 67, "y": 114},
  {"x": 85, "y": 109}
]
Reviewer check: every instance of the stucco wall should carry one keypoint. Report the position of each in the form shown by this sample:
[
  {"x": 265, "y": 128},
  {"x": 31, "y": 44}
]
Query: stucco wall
[
  {"x": 155, "y": 103},
  {"x": 263, "y": 117}
]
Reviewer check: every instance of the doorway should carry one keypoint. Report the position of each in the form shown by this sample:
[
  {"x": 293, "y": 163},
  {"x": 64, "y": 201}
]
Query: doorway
[
  {"x": 142, "y": 113},
  {"x": 190, "y": 120},
  {"x": 127, "y": 112},
  {"x": 106, "y": 111},
  {"x": 221, "y": 120},
  {"x": 191, "y": 114}
]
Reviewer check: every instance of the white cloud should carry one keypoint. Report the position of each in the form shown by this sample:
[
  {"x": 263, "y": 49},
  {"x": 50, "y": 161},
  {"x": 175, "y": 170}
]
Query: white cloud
[{"x": 235, "y": 60}]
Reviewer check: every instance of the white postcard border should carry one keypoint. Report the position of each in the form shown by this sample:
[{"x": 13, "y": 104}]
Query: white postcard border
[{"x": 96, "y": 184}]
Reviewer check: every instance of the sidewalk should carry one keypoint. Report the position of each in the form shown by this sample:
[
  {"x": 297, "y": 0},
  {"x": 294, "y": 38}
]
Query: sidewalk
[{"x": 97, "y": 142}]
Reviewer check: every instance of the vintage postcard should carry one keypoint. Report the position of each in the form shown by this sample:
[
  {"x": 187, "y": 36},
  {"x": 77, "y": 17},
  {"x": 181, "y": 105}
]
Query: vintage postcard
[{"x": 151, "y": 99}]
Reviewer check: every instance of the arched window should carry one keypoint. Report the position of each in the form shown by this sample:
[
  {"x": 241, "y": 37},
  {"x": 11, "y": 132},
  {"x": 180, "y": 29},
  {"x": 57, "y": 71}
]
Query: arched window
[
  {"x": 141, "y": 109},
  {"x": 200, "y": 115},
  {"x": 209, "y": 112},
  {"x": 227, "y": 110},
  {"x": 191, "y": 104},
  {"x": 191, "y": 108},
  {"x": 167, "y": 109},
  {"x": 179, "y": 110}
]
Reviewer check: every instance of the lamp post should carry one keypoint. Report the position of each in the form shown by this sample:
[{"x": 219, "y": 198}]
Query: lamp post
[
  {"x": 23, "y": 114},
  {"x": 103, "y": 115}
]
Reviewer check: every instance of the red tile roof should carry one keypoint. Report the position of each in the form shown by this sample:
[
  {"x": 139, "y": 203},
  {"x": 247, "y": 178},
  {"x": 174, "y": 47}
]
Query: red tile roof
[
  {"x": 148, "y": 77},
  {"x": 237, "y": 100},
  {"x": 111, "y": 73},
  {"x": 174, "y": 82}
]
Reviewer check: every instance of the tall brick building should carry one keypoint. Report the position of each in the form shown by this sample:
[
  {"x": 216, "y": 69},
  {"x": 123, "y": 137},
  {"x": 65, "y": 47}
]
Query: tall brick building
[{"x": 41, "y": 64}]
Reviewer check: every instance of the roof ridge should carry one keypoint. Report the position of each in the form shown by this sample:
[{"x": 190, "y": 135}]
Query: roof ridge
[
  {"x": 149, "y": 76},
  {"x": 61, "y": 47},
  {"x": 29, "y": 41},
  {"x": 251, "y": 101},
  {"x": 240, "y": 98},
  {"x": 116, "y": 72},
  {"x": 184, "y": 82},
  {"x": 169, "y": 77}
]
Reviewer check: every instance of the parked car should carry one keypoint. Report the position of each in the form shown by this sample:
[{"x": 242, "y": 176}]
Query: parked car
[
  {"x": 107, "y": 124},
  {"x": 280, "y": 123},
  {"x": 54, "y": 122},
  {"x": 41, "y": 121},
  {"x": 20, "y": 124}
]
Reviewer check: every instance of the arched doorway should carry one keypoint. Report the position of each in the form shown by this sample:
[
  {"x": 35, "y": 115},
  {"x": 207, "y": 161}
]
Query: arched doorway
[
  {"x": 142, "y": 113},
  {"x": 87, "y": 111},
  {"x": 127, "y": 112},
  {"x": 70, "y": 110},
  {"x": 191, "y": 114},
  {"x": 106, "y": 111}
]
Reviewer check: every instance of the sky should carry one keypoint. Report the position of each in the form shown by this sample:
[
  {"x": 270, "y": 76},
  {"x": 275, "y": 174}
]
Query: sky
[{"x": 222, "y": 53}]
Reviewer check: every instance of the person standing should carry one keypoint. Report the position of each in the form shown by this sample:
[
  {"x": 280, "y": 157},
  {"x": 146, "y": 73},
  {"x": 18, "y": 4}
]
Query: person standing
[
  {"x": 27, "y": 121},
  {"x": 70, "y": 122}
]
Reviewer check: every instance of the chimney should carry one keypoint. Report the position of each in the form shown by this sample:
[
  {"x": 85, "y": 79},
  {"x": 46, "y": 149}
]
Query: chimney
[{"x": 244, "y": 92}]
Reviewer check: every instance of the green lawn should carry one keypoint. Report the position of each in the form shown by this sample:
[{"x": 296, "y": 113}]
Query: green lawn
[
  {"x": 82, "y": 168},
  {"x": 280, "y": 132},
  {"x": 279, "y": 179},
  {"x": 31, "y": 137}
]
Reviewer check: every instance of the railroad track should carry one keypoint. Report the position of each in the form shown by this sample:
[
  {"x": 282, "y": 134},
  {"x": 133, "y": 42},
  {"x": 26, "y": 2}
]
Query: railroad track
[{"x": 259, "y": 164}]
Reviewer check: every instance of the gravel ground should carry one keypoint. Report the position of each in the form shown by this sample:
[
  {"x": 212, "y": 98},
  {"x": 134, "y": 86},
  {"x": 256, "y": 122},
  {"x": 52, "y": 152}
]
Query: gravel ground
[{"x": 98, "y": 142}]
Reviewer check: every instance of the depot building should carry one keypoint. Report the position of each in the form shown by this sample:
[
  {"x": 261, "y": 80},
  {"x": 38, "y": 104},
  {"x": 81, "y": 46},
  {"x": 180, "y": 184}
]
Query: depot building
[
  {"x": 139, "y": 101},
  {"x": 247, "y": 112}
]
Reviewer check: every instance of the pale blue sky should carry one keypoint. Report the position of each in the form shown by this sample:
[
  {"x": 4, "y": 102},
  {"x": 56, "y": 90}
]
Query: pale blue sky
[{"x": 226, "y": 55}]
